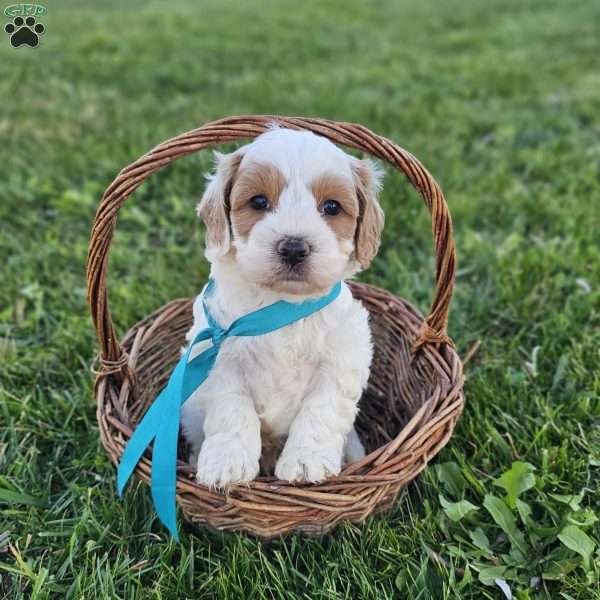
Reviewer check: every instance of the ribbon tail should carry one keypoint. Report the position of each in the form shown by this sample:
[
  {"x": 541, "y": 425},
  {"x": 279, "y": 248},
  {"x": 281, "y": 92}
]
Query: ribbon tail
[
  {"x": 140, "y": 440},
  {"x": 164, "y": 472},
  {"x": 161, "y": 424},
  {"x": 150, "y": 425},
  {"x": 164, "y": 453}
]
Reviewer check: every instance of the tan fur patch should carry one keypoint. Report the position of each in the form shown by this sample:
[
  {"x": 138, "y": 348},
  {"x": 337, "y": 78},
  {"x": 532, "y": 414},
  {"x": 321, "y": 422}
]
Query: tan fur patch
[
  {"x": 371, "y": 218},
  {"x": 253, "y": 180},
  {"x": 330, "y": 186},
  {"x": 214, "y": 206}
]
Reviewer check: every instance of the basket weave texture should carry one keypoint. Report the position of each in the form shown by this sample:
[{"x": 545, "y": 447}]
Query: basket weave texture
[{"x": 407, "y": 413}]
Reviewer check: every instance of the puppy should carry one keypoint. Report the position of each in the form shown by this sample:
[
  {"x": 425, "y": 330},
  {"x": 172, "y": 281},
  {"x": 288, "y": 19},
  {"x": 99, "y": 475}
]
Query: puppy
[{"x": 287, "y": 216}]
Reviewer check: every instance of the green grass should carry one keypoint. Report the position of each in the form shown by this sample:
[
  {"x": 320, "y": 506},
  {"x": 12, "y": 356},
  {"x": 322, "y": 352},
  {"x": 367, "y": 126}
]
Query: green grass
[{"x": 501, "y": 100}]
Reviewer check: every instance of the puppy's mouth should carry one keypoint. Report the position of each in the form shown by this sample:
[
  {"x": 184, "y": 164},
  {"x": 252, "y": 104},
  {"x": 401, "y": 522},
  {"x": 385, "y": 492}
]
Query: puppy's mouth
[
  {"x": 297, "y": 272},
  {"x": 293, "y": 282}
]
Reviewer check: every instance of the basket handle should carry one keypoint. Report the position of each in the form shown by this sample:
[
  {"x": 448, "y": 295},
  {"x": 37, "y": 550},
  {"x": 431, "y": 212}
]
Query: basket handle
[{"x": 433, "y": 329}]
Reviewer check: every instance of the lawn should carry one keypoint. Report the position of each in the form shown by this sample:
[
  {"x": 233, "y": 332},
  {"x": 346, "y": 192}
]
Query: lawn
[{"x": 500, "y": 100}]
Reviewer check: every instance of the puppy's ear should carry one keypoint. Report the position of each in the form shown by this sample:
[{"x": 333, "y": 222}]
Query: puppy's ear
[
  {"x": 214, "y": 205},
  {"x": 368, "y": 180}
]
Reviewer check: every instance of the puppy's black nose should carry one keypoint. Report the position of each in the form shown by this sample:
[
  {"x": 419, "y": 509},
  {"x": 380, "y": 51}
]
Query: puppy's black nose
[{"x": 293, "y": 250}]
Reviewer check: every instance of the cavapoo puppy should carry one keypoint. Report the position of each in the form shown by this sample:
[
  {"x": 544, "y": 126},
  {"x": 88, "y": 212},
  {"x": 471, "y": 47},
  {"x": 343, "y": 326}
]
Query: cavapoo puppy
[{"x": 287, "y": 216}]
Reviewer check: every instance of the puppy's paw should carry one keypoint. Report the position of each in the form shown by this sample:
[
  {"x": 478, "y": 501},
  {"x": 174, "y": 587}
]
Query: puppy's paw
[
  {"x": 224, "y": 460},
  {"x": 308, "y": 463}
]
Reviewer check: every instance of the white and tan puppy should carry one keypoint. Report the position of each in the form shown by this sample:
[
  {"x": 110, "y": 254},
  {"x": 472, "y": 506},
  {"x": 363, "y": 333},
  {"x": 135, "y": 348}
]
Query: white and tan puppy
[{"x": 287, "y": 216}]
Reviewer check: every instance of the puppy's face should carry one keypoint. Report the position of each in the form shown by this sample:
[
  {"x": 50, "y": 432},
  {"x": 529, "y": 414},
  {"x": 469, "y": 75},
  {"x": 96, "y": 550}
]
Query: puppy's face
[{"x": 295, "y": 212}]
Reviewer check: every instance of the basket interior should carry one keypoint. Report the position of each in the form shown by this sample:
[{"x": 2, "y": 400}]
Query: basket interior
[{"x": 397, "y": 387}]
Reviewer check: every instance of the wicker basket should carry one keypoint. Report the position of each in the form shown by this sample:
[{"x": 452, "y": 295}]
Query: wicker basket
[{"x": 407, "y": 414}]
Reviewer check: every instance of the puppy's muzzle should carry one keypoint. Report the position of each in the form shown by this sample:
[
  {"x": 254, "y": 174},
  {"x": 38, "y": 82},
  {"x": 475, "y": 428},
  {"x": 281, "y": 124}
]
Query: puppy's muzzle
[{"x": 293, "y": 251}]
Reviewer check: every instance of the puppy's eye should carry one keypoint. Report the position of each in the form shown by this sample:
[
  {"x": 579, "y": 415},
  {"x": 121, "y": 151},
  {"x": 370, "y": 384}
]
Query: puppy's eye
[
  {"x": 259, "y": 202},
  {"x": 331, "y": 207}
]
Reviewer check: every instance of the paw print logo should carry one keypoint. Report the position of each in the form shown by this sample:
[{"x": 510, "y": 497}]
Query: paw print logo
[{"x": 24, "y": 31}]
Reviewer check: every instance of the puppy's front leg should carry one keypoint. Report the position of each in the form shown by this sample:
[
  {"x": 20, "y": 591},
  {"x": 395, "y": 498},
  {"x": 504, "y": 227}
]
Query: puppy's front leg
[
  {"x": 231, "y": 449},
  {"x": 315, "y": 444}
]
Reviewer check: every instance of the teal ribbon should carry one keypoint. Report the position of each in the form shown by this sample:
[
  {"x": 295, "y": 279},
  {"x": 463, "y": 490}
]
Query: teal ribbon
[{"x": 161, "y": 421}]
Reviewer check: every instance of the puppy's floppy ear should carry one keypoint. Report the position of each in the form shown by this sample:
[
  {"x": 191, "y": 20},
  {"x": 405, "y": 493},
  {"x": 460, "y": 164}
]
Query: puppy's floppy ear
[
  {"x": 368, "y": 180},
  {"x": 214, "y": 206}
]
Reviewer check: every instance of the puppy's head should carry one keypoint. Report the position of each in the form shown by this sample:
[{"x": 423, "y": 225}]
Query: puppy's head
[{"x": 293, "y": 211}]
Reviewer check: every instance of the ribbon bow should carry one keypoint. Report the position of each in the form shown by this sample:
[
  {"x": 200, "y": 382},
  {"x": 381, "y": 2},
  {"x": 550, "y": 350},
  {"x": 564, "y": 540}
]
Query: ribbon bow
[{"x": 161, "y": 421}]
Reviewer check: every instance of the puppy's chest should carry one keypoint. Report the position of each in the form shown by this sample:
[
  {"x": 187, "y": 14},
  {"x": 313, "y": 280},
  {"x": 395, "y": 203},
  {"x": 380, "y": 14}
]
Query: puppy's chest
[{"x": 278, "y": 367}]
